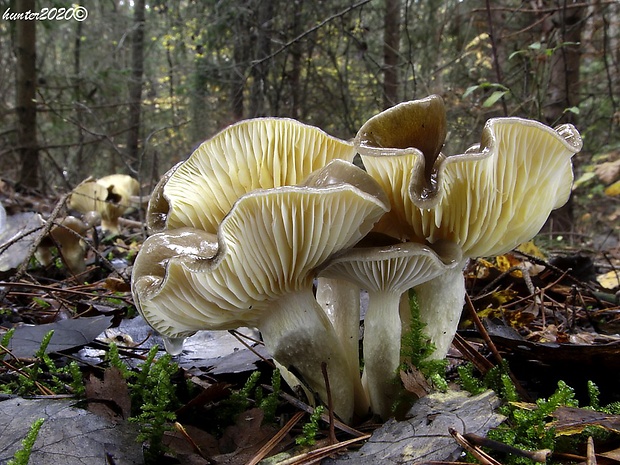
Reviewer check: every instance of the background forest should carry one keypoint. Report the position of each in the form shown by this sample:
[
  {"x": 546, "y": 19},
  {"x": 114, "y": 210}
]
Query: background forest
[{"x": 136, "y": 85}]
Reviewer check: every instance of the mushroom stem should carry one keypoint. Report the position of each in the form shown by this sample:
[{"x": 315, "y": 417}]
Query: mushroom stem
[
  {"x": 441, "y": 303},
  {"x": 299, "y": 335},
  {"x": 382, "y": 334},
  {"x": 340, "y": 300}
]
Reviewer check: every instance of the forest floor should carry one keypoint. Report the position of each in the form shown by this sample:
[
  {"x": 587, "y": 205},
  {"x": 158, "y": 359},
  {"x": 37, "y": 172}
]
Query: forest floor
[{"x": 550, "y": 310}]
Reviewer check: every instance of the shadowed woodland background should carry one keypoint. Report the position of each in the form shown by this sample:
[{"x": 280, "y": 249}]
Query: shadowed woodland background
[{"x": 135, "y": 86}]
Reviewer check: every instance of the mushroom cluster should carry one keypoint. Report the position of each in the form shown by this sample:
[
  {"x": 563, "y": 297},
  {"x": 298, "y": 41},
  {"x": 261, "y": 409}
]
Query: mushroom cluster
[{"x": 269, "y": 224}]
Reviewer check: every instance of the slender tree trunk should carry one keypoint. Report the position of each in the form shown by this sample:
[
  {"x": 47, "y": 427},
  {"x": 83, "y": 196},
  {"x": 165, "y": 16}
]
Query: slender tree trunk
[
  {"x": 296, "y": 62},
  {"x": 237, "y": 75},
  {"x": 566, "y": 27},
  {"x": 77, "y": 174},
  {"x": 260, "y": 70},
  {"x": 391, "y": 48},
  {"x": 25, "y": 102},
  {"x": 135, "y": 85},
  {"x": 563, "y": 90}
]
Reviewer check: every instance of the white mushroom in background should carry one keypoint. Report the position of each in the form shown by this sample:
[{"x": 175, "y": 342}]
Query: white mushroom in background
[{"x": 110, "y": 197}]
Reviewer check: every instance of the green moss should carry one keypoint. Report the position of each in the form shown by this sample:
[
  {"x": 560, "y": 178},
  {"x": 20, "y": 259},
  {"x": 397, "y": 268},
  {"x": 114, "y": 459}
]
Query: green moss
[
  {"x": 416, "y": 348},
  {"x": 22, "y": 456},
  {"x": 310, "y": 429}
]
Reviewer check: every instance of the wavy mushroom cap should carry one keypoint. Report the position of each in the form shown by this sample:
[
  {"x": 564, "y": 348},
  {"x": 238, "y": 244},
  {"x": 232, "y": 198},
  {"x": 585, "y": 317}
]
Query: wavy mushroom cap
[
  {"x": 261, "y": 153},
  {"x": 493, "y": 197},
  {"x": 267, "y": 246},
  {"x": 259, "y": 271},
  {"x": 417, "y": 128}
]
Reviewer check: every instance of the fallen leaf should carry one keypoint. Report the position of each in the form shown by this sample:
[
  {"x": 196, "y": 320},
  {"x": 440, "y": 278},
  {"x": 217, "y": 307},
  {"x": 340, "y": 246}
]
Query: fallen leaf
[
  {"x": 425, "y": 437},
  {"x": 609, "y": 280},
  {"x": 531, "y": 249},
  {"x": 509, "y": 261},
  {"x": 608, "y": 172},
  {"x": 573, "y": 420},
  {"x": 613, "y": 190},
  {"x": 68, "y": 334},
  {"x": 415, "y": 382},
  {"x": 241, "y": 441},
  {"x": 108, "y": 397},
  {"x": 583, "y": 179},
  {"x": 69, "y": 436},
  {"x": 15, "y": 226}
]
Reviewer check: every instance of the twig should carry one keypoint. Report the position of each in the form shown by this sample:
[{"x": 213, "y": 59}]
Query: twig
[
  {"x": 591, "y": 453},
  {"x": 487, "y": 339},
  {"x": 464, "y": 347},
  {"x": 239, "y": 336},
  {"x": 310, "y": 31},
  {"x": 330, "y": 405},
  {"x": 317, "y": 455},
  {"x": 481, "y": 455},
  {"x": 263, "y": 451},
  {"x": 536, "y": 455},
  {"x": 181, "y": 429},
  {"x": 306, "y": 408}
]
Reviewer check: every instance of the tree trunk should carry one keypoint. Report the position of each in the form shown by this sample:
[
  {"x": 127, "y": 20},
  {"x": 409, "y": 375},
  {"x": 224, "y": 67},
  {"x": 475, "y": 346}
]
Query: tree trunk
[
  {"x": 77, "y": 174},
  {"x": 260, "y": 70},
  {"x": 391, "y": 47},
  {"x": 563, "y": 90},
  {"x": 135, "y": 84},
  {"x": 25, "y": 101},
  {"x": 294, "y": 75},
  {"x": 565, "y": 27},
  {"x": 238, "y": 69}
]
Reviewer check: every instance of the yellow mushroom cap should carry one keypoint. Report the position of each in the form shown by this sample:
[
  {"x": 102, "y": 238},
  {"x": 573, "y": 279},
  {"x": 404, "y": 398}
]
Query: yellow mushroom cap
[
  {"x": 259, "y": 271},
  {"x": 261, "y": 153},
  {"x": 268, "y": 245},
  {"x": 491, "y": 198},
  {"x": 417, "y": 128}
]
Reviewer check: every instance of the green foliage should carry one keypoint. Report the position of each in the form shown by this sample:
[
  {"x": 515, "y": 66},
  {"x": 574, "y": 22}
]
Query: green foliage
[
  {"x": 113, "y": 358},
  {"x": 6, "y": 338},
  {"x": 416, "y": 347},
  {"x": 310, "y": 429},
  {"x": 242, "y": 399},
  {"x": 42, "y": 373},
  {"x": 157, "y": 401},
  {"x": 594, "y": 395},
  {"x": 269, "y": 403},
  {"x": 153, "y": 395},
  {"x": 40, "y": 302},
  {"x": 22, "y": 456},
  {"x": 526, "y": 427},
  {"x": 468, "y": 380},
  {"x": 239, "y": 400}
]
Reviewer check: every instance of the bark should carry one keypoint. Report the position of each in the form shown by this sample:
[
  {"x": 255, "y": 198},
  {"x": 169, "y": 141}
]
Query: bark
[
  {"x": 563, "y": 90},
  {"x": 296, "y": 63},
  {"x": 260, "y": 70},
  {"x": 25, "y": 102},
  {"x": 135, "y": 85},
  {"x": 78, "y": 174},
  {"x": 238, "y": 69},
  {"x": 391, "y": 47},
  {"x": 565, "y": 26}
]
